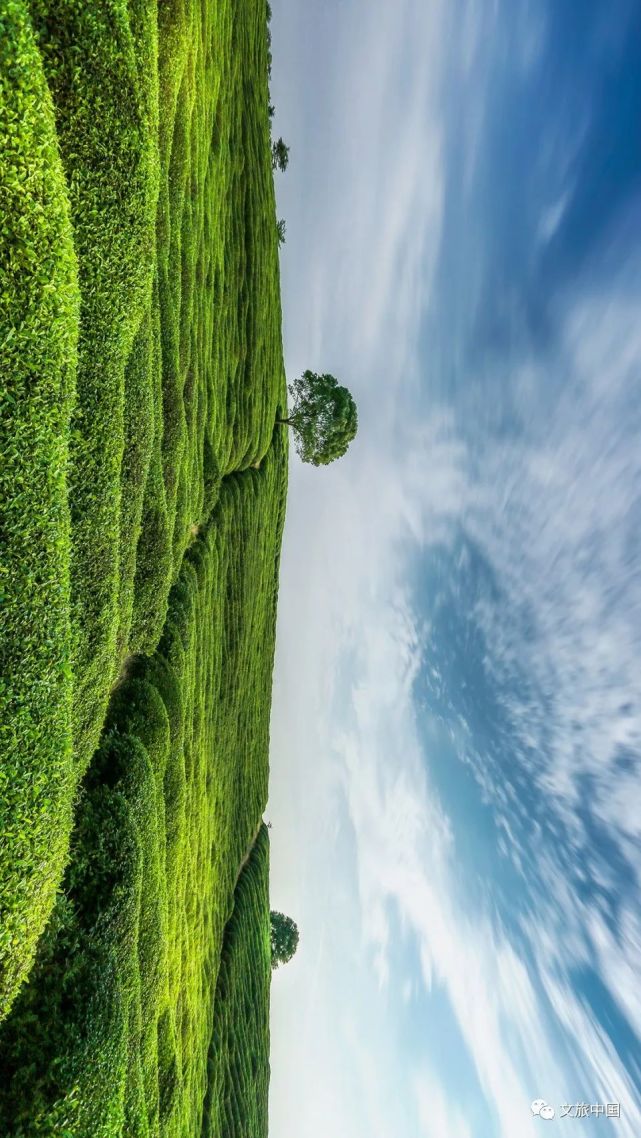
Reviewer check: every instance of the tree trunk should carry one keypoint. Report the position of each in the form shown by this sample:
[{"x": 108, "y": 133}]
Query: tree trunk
[{"x": 284, "y": 422}]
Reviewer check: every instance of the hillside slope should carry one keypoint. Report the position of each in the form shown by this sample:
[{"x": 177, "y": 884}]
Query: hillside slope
[
  {"x": 238, "y": 1076},
  {"x": 140, "y": 331},
  {"x": 112, "y": 1035}
]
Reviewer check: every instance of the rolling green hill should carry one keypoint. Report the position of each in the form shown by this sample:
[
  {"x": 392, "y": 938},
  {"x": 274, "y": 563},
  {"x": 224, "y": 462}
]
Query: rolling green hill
[
  {"x": 238, "y": 1083},
  {"x": 112, "y": 1033},
  {"x": 143, "y": 488}
]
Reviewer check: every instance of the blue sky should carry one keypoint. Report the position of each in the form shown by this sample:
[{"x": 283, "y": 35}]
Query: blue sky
[{"x": 456, "y": 732}]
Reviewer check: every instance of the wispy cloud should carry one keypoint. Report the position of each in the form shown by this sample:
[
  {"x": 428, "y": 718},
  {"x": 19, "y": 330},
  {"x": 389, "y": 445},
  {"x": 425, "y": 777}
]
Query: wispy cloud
[
  {"x": 555, "y": 515},
  {"x": 519, "y": 466},
  {"x": 362, "y": 198},
  {"x": 363, "y": 204},
  {"x": 438, "y": 1117}
]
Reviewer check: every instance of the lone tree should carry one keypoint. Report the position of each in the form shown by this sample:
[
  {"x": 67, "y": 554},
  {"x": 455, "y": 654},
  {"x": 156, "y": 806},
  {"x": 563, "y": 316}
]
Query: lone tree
[
  {"x": 280, "y": 155},
  {"x": 323, "y": 418},
  {"x": 284, "y": 938},
  {"x": 280, "y": 231}
]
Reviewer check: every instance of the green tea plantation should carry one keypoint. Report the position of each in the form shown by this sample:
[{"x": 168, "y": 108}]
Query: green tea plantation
[{"x": 142, "y": 497}]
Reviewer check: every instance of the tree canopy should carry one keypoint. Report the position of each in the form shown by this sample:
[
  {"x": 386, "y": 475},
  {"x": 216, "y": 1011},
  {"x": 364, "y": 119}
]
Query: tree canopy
[
  {"x": 323, "y": 417},
  {"x": 280, "y": 155},
  {"x": 284, "y": 938}
]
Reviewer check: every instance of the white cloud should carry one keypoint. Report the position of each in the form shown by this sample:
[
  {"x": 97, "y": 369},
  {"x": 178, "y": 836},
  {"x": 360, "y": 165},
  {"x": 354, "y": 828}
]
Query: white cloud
[
  {"x": 406, "y": 859},
  {"x": 562, "y": 537},
  {"x": 555, "y": 516},
  {"x": 438, "y": 1117},
  {"x": 533, "y": 511},
  {"x": 553, "y": 216},
  {"x": 363, "y": 207},
  {"x": 362, "y": 203}
]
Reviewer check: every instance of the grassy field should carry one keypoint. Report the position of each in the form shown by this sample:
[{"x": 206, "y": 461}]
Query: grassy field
[
  {"x": 141, "y": 346},
  {"x": 142, "y": 501},
  {"x": 117, "y": 1029},
  {"x": 238, "y": 1083}
]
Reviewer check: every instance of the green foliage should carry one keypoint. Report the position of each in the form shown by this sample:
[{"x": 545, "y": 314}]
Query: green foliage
[
  {"x": 144, "y": 993},
  {"x": 142, "y": 365},
  {"x": 99, "y": 60},
  {"x": 38, "y": 334},
  {"x": 238, "y": 1083},
  {"x": 324, "y": 418},
  {"x": 280, "y": 155},
  {"x": 284, "y": 938},
  {"x": 280, "y": 231}
]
